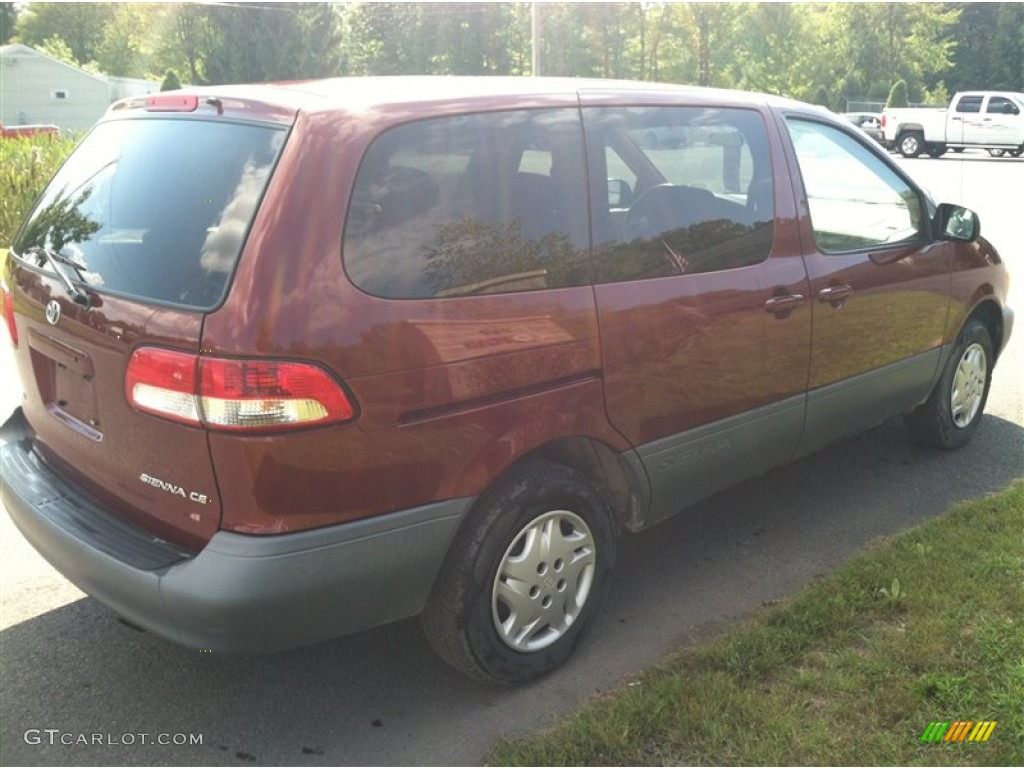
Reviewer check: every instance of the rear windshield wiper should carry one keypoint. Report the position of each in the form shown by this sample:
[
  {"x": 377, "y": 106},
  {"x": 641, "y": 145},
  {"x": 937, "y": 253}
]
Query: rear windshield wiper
[{"x": 77, "y": 294}]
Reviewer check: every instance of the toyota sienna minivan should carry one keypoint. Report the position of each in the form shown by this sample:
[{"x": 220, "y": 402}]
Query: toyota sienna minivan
[{"x": 303, "y": 359}]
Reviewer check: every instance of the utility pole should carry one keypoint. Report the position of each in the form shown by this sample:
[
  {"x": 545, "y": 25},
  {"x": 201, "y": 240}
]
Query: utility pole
[{"x": 535, "y": 39}]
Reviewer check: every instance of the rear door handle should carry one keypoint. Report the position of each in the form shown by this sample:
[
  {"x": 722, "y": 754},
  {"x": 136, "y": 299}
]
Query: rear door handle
[
  {"x": 835, "y": 294},
  {"x": 779, "y": 304}
]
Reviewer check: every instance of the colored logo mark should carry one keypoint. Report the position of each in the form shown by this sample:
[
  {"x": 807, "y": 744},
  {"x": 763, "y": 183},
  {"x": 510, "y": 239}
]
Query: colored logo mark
[{"x": 958, "y": 730}]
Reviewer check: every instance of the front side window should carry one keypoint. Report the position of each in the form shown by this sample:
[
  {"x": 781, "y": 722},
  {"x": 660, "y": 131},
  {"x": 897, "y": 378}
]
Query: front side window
[
  {"x": 678, "y": 190},
  {"x": 1000, "y": 105},
  {"x": 856, "y": 200},
  {"x": 470, "y": 204}
]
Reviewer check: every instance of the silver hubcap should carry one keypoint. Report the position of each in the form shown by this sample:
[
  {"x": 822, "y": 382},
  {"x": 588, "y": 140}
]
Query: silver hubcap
[
  {"x": 543, "y": 581},
  {"x": 968, "y": 385}
]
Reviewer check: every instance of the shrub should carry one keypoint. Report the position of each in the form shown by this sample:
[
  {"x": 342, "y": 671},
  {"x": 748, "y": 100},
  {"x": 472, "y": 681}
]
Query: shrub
[
  {"x": 171, "y": 81},
  {"x": 26, "y": 165},
  {"x": 898, "y": 95}
]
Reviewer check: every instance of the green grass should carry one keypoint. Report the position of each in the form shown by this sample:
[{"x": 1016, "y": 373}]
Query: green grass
[
  {"x": 26, "y": 165},
  {"x": 929, "y": 625}
]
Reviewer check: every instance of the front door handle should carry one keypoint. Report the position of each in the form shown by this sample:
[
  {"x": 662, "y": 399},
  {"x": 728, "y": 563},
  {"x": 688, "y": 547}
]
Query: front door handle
[
  {"x": 835, "y": 294},
  {"x": 779, "y": 304}
]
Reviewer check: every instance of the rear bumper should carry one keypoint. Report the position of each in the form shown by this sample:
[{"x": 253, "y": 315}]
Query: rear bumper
[{"x": 240, "y": 593}]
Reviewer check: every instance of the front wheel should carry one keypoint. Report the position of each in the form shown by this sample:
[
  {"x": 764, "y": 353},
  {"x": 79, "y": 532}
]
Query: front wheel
[
  {"x": 910, "y": 144},
  {"x": 951, "y": 414},
  {"x": 526, "y": 574}
]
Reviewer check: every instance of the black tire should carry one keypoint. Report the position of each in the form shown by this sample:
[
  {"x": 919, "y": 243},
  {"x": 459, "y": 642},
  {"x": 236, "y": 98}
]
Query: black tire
[
  {"x": 936, "y": 150},
  {"x": 910, "y": 144},
  {"x": 958, "y": 150},
  {"x": 997, "y": 152},
  {"x": 951, "y": 414},
  {"x": 1017, "y": 152},
  {"x": 468, "y": 620}
]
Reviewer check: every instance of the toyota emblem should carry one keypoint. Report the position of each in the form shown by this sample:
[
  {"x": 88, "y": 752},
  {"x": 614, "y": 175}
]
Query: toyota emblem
[{"x": 53, "y": 312}]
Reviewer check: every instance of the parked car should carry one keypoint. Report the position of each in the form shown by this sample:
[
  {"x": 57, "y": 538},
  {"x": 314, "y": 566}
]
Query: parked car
[
  {"x": 869, "y": 122},
  {"x": 303, "y": 359},
  {"x": 992, "y": 120},
  {"x": 23, "y": 131}
]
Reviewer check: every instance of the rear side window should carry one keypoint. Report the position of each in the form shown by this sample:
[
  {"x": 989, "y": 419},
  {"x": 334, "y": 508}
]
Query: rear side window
[
  {"x": 470, "y": 204},
  {"x": 156, "y": 209},
  {"x": 969, "y": 104},
  {"x": 678, "y": 190}
]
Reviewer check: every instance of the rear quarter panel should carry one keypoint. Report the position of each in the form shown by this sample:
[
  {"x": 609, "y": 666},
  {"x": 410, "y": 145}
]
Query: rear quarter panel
[{"x": 450, "y": 391}]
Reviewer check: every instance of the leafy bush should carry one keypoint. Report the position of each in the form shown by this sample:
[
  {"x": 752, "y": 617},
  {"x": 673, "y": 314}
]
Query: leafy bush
[
  {"x": 898, "y": 95},
  {"x": 26, "y": 164}
]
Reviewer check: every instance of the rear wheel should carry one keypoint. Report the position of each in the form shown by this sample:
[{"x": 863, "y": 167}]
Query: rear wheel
[
  {"x": 936, "y": 150},
  {"x": 525, "y": 575},
  {"x": 910, "y": 143},
  {"x": 951, "y": 414},
  {"x": 997, "y": 152}
]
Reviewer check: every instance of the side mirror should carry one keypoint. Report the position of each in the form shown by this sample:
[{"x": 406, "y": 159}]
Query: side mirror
[
  {"x": 620, "y": 194},
  {"x": 954, "y": 222}
]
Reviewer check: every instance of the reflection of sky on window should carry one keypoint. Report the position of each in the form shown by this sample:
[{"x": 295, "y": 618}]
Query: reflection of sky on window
[
  {"x": 381, "y": 262},
  {"x": 224, "y": 239}
]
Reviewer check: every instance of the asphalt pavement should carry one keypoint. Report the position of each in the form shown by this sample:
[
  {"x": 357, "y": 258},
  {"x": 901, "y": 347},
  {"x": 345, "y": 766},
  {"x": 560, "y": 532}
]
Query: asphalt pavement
[{"x": 79, "y": 688}]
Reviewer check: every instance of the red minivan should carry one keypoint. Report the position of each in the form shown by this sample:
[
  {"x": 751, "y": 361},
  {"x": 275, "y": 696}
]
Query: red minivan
[{"x": 303, "y": 359}]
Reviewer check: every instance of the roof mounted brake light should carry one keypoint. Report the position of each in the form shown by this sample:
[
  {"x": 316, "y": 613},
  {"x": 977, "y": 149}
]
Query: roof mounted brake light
[{"x": 172, "y": 102}]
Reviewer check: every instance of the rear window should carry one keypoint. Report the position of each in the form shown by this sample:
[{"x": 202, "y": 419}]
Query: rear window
[{"x": 156, "y": 209}]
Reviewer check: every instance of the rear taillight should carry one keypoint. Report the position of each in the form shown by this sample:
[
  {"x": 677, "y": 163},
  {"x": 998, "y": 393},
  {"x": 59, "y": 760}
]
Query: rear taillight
[
  {"x": 7, "y": 305},
  {"x": 163, "y": 383},
  {"x": 234, "y": 395}
]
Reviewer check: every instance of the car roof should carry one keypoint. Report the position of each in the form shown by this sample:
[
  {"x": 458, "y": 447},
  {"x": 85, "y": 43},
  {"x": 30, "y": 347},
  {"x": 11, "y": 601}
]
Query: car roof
[{"x": 367, "y": 93}]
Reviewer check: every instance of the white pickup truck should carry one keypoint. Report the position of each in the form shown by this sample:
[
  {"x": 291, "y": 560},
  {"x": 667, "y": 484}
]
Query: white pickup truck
[{"x": 992, "y": 120}]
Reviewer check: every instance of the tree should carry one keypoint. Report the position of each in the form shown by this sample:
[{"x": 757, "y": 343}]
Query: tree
[
  {"x": 989, "y": 53},
  {"x": 8, "y": 21},
  {"x": 897, "y": 95},
  {"x": 171, "y": 81},
  {"x": 124, "y": 49},
  {"x": 259, "y": 42},
  {"x": 774, "y": 44},
  {"x": 80, "y": 25},
  {"x": 821, "y": 97},
  {"x": 715, "y": 29}
]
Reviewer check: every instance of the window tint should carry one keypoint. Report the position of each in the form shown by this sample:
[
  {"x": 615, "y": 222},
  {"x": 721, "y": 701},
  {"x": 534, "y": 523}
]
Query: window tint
[
  {"x": 471, "y": 204},
  {"x": 856, "y": 200},
  {"x": 678, "y": 190},
  {"x": 156, "y": 209},
  {"x": 1001, "y": 105},
  {"x": 969, "y": 104}
]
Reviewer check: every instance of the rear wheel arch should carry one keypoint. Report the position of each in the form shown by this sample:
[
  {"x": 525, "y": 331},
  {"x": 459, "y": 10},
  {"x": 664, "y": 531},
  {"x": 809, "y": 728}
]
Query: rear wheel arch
[{"x": 624, "y": 483}]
